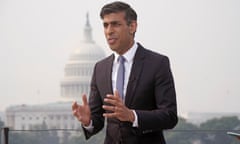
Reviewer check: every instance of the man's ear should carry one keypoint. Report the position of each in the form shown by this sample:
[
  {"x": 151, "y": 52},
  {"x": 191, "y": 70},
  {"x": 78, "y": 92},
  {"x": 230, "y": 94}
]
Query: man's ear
[{"x": 133, "y": 27}]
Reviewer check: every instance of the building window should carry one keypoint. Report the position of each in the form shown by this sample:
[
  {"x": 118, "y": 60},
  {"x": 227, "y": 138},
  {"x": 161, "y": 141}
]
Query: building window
[
  {"x": 23, "y": 127},
  {"x": 65, "y": 126},
  {"x": 30, "y": 127},
  {"x": 58, "y": 117},
  {"x": 51, "y": 117},
  {"x": 23, "y": 118},
  {"x": 58, "y": 126},
  {"x": 78, "y": 88}
]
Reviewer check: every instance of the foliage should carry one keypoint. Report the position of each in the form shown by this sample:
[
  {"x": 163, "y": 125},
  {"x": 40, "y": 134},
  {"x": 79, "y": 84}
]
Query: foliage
[
  {"x": 183, "y": 133},
  {"x": 209, "y": 132},
  {"x": 39, "y": 135},
  {"x": 80, "y": 139},
  {"x": 221, "y": 123},
  {"x": 220, "y": 126},
  {"x": 1, "y": 124}
]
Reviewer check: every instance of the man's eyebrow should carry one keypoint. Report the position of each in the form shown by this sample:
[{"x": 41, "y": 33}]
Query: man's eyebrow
[{"x": 111, "y": 22}]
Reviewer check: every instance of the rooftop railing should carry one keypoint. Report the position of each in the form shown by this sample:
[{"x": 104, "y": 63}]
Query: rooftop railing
[{"x": 75, "y": 136}]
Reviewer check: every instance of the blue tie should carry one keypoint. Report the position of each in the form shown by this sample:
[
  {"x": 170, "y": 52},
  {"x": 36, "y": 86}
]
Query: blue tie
[{"x": 120, "y": 76}]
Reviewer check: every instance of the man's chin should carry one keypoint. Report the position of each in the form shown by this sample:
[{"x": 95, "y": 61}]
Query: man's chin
[{"x": 113, "y": 48}]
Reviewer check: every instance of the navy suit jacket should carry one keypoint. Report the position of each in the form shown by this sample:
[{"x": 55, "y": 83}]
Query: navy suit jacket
[{"x": 150, "y": 92}]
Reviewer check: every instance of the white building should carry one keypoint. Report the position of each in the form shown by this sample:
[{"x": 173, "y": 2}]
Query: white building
[
  {"x": 55, "y": 116},
  {"x": 78, "y": 72}
]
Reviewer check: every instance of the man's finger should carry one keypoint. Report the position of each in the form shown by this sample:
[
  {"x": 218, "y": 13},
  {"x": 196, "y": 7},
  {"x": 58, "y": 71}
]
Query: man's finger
[
  {"x": 109, "y": 115},
  {"x": 84, "y": 99},
  {"x": 74, "y": 112},
  {"x": 109, "y": 108},
  {"x": 74, "y": 105},
  {"x": 116, "y": 93},
  {"x": 110, "y": 101}
]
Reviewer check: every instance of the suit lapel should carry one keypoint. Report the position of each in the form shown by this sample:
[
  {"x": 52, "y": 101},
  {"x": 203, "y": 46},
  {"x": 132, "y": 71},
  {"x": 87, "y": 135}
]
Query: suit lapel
[
  {"x": 137, "y": 66},
  {"x": 108, "y": 74}
]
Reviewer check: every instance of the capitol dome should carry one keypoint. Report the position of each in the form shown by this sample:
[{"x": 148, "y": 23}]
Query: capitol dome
[
  {"x": 79, "y": 67},
  {"x": 88, "y": 51}
]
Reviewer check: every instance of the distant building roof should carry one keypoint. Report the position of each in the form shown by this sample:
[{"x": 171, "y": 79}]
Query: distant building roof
[{"x": 58, "y": 106}]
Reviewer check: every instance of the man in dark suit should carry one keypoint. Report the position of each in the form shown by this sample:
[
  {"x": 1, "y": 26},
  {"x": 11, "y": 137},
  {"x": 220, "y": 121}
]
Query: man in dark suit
[{"x": 145, "y": 105}]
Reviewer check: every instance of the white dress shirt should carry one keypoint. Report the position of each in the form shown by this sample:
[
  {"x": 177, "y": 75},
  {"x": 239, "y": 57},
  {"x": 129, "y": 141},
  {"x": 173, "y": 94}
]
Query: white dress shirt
[{"x": 129, "y": 55}]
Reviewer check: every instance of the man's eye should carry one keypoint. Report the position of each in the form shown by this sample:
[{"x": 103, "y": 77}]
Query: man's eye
[
  {"x": 105, "y": 25},
  {"x": 116, "y": 24}
]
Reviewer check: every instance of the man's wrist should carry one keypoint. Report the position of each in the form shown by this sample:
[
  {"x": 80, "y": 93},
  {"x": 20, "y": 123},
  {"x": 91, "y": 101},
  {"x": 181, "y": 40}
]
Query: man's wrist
[
  {"x": 132, "y": 116},
  {"x": 135, "y": 121},
  {"x": 87, "y": 124},
  {"x": 88, "y": 127}
]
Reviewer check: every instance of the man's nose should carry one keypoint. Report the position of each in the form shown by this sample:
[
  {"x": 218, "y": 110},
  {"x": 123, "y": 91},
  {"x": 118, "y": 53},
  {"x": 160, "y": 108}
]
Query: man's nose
[{"x": 109, "y": 30}]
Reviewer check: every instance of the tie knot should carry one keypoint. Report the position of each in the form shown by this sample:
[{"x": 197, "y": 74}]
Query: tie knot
[{"x": 121, "y": 59}]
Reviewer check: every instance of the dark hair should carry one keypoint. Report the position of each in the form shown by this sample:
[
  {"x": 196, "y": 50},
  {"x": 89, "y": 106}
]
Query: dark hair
[{"x": 119, "y": 6}]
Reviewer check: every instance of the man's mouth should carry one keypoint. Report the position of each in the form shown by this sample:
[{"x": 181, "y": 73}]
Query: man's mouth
[{"x": 112, "y": 40}]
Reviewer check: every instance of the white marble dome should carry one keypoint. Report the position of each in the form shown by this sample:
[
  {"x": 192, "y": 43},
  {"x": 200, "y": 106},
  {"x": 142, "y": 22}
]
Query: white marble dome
[
  {"x": 79, "y": 67},
  {"x": 88, "y": 51}
]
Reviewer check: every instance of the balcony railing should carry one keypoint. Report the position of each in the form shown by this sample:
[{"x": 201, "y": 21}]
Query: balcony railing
[{"x": 75, "y": 136}]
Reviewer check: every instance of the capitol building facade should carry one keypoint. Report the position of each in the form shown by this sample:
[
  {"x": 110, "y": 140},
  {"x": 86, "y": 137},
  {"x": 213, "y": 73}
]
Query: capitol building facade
[{"x": 76, "y": 81}]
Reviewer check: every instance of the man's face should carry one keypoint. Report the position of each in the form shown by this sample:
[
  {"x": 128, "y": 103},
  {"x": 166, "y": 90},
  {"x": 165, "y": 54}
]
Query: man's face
[{"x": 119, "y": 35}]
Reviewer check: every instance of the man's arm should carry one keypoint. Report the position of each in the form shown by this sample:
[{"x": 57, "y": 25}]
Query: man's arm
[{"x": 164, "y": 115}]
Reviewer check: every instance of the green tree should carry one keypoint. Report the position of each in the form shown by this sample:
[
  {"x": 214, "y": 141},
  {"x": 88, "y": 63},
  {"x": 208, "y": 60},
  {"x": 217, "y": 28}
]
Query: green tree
[
  {"x": 96, "y": 139},
  {"x": 1, "y": 123},
  {"x": 217, "y": 129},
  {"x": 45, "y": 136},
  {"x": 183, "y": 133},
  {"x": 209, "y": 132},
  {"x": 16, "y": 137},
  {"x": 38, "y": 135}
]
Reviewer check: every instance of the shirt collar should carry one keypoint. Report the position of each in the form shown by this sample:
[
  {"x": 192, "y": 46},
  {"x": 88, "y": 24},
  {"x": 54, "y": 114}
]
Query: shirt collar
[{"x": 129, "y": 55}]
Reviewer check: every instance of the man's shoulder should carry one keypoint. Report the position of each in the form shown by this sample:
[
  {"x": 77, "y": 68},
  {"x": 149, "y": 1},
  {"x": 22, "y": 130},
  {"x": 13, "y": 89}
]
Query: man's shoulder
[
  {"x": 105, "y": 60},
  {"x": 153, "y": 58},
  {"x": 151, "y": 54}
]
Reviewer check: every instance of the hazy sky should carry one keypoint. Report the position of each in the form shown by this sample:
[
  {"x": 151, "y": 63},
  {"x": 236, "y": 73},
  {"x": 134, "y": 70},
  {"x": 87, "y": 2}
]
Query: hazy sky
[{"x": 201, "y": 38}]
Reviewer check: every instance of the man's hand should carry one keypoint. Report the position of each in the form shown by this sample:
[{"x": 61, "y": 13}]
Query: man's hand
[
  {"x": 82, "y": 112},
  {"x": 119, "y": 110}
]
